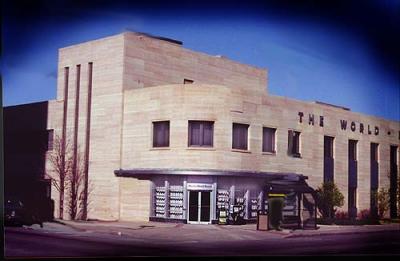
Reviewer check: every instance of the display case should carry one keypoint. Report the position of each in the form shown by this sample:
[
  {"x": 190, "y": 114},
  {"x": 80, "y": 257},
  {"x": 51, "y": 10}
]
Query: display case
[
  {"x": 176, "y": 202},
  {"x": 222, "y": 205},
  {"x": 254, "y": 206},
  {"x": 160, "y": 201}
]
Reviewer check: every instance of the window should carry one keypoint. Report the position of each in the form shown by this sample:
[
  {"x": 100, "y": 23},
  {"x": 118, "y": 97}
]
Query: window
[
  {"x": 328, "y": 147},
  {"x": 352, "y": 150},
  {"x": 201, "y": 133},
  {"x": 161, "y": 134},
  {"x": 374, "y": 152},
  {"x": 187, "y": 81},
  {"x": 294, "y": 143},
  {"x": 352, "y": 198},
  {"x": 328, "y": 159},
  {"x": 239, "y": 136},
  {"x": 269, "y": 140},
  {"x": 50, "y": 139}
]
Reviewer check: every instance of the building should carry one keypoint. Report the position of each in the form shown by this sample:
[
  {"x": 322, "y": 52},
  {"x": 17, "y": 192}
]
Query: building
[
  {"x": 25, "y": 146},
  {"x": 167, "y": 133}
]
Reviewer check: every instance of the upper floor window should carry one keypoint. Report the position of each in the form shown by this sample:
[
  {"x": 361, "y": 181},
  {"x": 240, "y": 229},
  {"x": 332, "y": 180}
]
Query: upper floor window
[
  {"x": 328, "y": 147},
  {"x": 239, "y": 136},
  {"x": 269, "y": 140},
  {"x": 50, "y": 139},
  {"x": 161, "y": 134},
  {"x": 294, "y": 143},
  {"x": 201, "y": 133},
  {"x": 353, "y": 150},
  {"x": 374, "y": 152}
]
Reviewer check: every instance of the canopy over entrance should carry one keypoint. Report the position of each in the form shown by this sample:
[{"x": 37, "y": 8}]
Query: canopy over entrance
[{"x": 300, "y": 209}]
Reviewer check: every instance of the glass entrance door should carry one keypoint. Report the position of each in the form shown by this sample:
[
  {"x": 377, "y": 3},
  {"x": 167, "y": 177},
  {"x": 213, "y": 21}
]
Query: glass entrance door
[{"x": 199, "y": 207}]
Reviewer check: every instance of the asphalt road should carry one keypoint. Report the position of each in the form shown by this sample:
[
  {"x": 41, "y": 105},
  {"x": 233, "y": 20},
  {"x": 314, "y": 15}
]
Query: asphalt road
[{"x": 20, "y": 242}]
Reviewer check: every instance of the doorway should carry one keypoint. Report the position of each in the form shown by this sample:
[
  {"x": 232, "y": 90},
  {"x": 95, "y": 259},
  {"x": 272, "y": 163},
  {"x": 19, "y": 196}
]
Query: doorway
[{"x": 199, "y": 207}]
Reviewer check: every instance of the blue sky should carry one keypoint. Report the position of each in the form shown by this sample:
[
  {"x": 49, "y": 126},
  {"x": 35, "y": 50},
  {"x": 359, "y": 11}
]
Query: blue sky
[{"x": 308, "y": 59}]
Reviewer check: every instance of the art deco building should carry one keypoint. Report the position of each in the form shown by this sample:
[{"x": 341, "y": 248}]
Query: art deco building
[{"x": 166, "y": 133}]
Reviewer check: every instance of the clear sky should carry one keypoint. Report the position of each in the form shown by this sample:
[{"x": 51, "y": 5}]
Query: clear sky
[{"x": 310, "y": 53}]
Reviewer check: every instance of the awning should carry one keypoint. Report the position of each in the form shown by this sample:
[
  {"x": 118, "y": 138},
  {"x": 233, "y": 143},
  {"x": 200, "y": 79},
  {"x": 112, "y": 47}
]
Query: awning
[
  {"x": 147, "y": 174},
  {"x": 282, "y": 186}
]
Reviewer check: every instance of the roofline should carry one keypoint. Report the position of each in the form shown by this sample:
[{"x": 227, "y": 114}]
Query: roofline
[{"x": 26, "y": 104}]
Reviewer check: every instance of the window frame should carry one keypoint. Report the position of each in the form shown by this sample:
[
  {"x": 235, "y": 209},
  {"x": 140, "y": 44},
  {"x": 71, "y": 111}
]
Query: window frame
[
  {"x": 355, "y": 150},
  {"x": 246, "y": 148},
  {"x": 291, "y": 152},
  {"x": 273, "y": 140},
  {"x": 50, "y": 137},
  {"x": 332, "y": 147},
  {"x": 375, "y": 155},
  {"x": 201, "y": 133},
  {"x": 165, "y": 144}
]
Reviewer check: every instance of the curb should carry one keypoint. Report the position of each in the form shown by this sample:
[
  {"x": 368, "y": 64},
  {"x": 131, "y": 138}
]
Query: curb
[
  {"x": 69, "y": 225},
  {"x": 338, "y": 233}
]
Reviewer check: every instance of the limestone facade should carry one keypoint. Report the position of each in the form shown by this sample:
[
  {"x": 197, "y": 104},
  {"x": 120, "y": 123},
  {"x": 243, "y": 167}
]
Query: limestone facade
[{"x": 137, "y": 80}]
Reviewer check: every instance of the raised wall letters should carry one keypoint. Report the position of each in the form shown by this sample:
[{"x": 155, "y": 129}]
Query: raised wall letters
[
  {"x": 310, "y": 119},
  {"x": 301, "y": 116},
  {"x": 353, "y": 126},
  {"x": 343, "y": 124}
]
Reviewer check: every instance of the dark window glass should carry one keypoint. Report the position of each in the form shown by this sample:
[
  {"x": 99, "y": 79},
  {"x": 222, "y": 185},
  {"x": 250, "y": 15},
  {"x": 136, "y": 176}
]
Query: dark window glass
[
  {"x": 50, "y": 139},
  {"x": 201, "y": 133},
  {"x": 269, "y": 139},
  {"x": 294, "y": 143},
  {"x": 328, "y": 147},
  {"x": 352, "y": 197},
  {"x": 393, "y": 155},
  {"x": 353, "y": 150},
  {"x": 161, "y": 134},
  {"x": 205, "y": 206},
  {"x": 239, "y": 136},
  {"x": 374, "y": 152}
]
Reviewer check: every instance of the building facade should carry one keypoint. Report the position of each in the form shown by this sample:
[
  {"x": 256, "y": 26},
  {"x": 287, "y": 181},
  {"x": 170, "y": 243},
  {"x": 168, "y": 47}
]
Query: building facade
[{"x": 167, "y": 133}]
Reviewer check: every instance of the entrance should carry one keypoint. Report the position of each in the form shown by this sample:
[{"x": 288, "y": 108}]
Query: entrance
[{"x": 199, "y": 207}]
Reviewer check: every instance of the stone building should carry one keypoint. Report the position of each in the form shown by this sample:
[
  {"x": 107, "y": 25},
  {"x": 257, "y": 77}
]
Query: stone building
[{"x": 172, "y": 134}]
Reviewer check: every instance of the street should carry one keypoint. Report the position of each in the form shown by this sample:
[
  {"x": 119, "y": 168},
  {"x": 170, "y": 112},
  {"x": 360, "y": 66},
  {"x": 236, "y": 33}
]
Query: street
[{"x": 192, "y": 240}]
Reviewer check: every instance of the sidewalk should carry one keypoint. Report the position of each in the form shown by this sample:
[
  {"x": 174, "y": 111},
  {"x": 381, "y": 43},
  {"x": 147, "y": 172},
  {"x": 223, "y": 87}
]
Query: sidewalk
[
  {"x": 129, "y": 227},
  {"x": 336, "y": 229}
]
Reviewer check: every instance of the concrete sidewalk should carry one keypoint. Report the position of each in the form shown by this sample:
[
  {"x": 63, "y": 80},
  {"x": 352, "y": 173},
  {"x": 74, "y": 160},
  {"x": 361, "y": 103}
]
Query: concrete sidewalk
[{"x": 129, "y": 227}]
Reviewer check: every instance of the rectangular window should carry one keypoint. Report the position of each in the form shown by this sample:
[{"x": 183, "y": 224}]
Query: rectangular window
[
  {"x": 201, "y": 133},
  {"x": 393, "y": 181},
  {"x": 374, "y": 152},
  {"x": 50, "y": 139},
  {"x": 328, "y": 159},
  {"x": 328, "y": 147},
  {"x": 352, "y": 150},
  {"x": 294, "y": 143},
  {"x": 161, "y": 134},
  {"x": 352, "y": 198},
  {"x": 269, "y": 139},
  {"x": 239, "y": 136}
]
